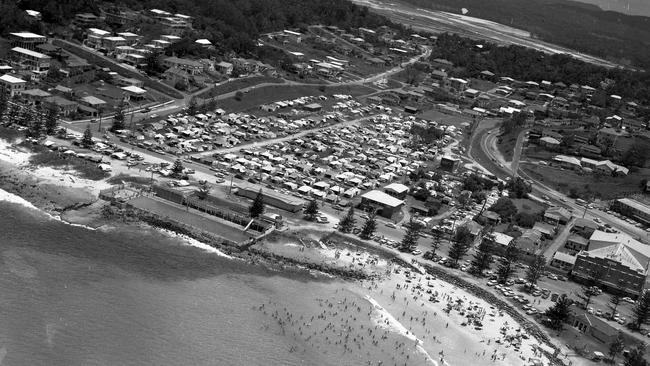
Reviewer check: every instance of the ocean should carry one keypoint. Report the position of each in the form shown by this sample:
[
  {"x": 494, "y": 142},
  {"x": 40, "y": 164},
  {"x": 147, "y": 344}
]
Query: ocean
[{"x": 75, "y": 296}]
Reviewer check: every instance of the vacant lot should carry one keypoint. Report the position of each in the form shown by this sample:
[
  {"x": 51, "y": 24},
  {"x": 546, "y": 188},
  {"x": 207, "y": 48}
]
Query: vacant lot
[
  {"x": 86, "y": 169},
  {"x": 528, "y": 206},
  {"x": 507, "y": 145},
  {"x": 274, "y": 93},
  {"x": 482, "y": 85},
  {"x": 447, "y": 119},
  {"x": 586, "y": 185},
  {"x": 237, "y": 84},
  {"x": 191, "y": 217}
]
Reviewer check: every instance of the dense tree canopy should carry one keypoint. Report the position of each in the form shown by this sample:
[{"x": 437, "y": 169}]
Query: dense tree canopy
[
  {"x": 524, "y": 64},
  {"x": 231, "y": 25},
  {"x": 584, "y": 27}
]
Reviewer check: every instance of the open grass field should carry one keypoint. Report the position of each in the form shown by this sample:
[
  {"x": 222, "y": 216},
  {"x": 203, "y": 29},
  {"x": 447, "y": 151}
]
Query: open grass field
[
  {"x": 237, "y": 84},
  {"x": 448, "y": 119},
  {"x": 190, "y": 217},
  {"x": 273, "y": 93},
  {"x": 586, "y": 186},
  {"x": 528, "y": 206},
  {"x": 45, "y": 157},
  {"x": 507, "y": 145}
]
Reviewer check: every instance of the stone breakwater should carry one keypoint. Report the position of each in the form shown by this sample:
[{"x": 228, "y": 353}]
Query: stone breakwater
[{"x": 245, "y": 252}]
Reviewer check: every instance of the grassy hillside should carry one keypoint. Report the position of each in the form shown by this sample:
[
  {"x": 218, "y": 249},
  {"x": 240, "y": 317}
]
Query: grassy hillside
[{"x": 614, "y": 36}]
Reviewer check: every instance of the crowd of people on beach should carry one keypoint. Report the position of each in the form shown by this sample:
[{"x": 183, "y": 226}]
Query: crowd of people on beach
[{"x": 347, "y": 325}]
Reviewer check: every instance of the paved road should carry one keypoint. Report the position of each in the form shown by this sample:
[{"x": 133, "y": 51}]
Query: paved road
[
  {"x": 559, "y": 240},
  {"x": 540, "y": 189}
]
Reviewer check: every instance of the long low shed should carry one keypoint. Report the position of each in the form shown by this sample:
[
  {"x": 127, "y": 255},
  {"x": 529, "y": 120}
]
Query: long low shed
[{"x": 272, "y": 198}]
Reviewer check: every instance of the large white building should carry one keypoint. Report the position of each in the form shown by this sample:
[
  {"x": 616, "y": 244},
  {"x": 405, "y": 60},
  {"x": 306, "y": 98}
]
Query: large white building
[
  {"x": 615, "y": 261},
  {"x": 12, "y": 85},
  {"x": 26, "y": 40},
  {"x": 31, "y": 60}
]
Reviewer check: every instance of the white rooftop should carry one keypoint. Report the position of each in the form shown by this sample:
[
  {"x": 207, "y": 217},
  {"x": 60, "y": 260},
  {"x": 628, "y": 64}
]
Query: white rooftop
[
  {"x": 134, "y": 89},
  {"x": 601, "y": 239},
  {"x": 11, "y": 79},
  {"x": 635, "y": 204},
  {"x": 160, "y": 12},
  {"x": 501, "y": 238},
  {"x": 99, "y": 32},
  {"x": 93, "y": 100},
  {"x": 27, "y": 52},
  {"x": 383, "y": 198},
  {"x": 203, "y": 41},
  {"x": 27, "y": 35},
  {"x": 397, "y": 187},
  {"x": 564, "y": 257}
]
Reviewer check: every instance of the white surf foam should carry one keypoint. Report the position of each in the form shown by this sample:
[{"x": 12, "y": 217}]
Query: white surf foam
[
  {"x": 386, "y": 320},
  {"x": 195, "y": 243},
  {"x": 10, "y": 197}
]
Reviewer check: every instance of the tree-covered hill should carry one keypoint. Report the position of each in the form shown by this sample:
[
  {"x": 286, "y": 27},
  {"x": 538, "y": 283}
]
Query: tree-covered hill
[
  {"x": 526, "y": 64},
  {"x": 234, "y": 25},
  {"x": 583, "y": 27}
]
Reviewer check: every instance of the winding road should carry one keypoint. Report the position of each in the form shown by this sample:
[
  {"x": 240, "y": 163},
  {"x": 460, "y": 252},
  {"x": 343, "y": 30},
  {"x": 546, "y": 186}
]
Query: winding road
[{"x": 483, "y": 150}]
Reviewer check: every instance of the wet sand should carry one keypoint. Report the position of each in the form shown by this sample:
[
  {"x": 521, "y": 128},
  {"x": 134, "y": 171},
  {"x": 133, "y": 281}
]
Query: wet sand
[{"x": 403, "y": 320}]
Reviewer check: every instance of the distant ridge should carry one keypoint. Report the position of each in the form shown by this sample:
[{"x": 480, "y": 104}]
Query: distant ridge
[{"x": 583, "y": 26}]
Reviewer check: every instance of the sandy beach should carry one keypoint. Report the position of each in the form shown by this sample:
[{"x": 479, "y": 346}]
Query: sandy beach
[
  {"x": 398, "y": 318},
  {"x": 417, "y": 318}
]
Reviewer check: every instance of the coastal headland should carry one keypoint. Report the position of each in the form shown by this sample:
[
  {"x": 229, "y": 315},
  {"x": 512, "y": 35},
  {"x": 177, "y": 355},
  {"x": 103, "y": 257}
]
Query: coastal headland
[{"x": 417, "y": 314}]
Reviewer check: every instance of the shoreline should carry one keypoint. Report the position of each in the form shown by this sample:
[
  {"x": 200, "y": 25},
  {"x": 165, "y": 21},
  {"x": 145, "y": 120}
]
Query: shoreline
[{"x": 80, "y": 206}]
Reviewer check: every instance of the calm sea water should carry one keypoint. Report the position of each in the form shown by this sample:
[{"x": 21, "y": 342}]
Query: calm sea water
[{"x": 72, "y": 296}]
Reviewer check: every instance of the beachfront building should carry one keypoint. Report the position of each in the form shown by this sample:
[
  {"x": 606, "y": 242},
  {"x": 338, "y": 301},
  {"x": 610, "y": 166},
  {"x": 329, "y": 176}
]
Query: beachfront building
[
  {"x": 616, "y": 261},
  {"x": 595, "y": 327},
  {"x": 12, "y": 85},
  {"x": 498, "y": 242},
  {"x": 272, "y": 198},
  {"x": 385, "y": 205}
]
